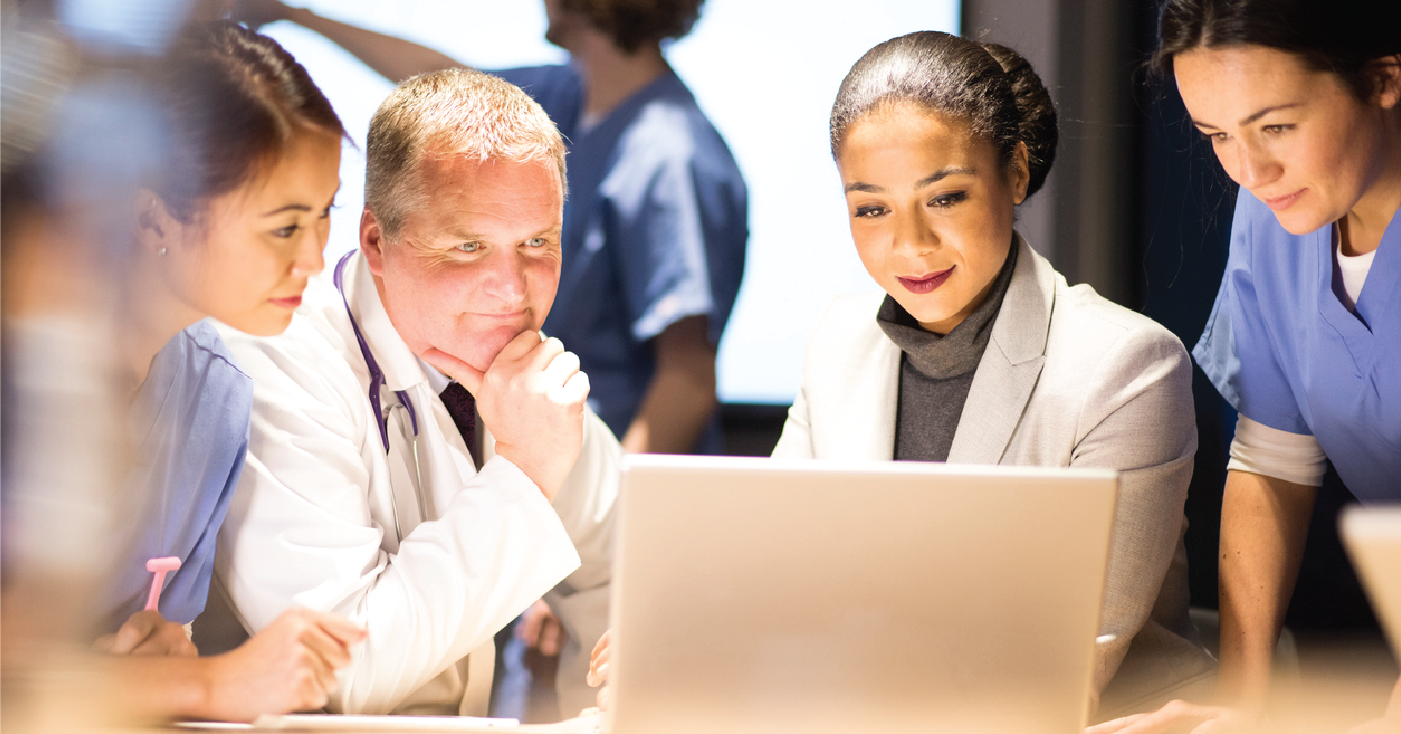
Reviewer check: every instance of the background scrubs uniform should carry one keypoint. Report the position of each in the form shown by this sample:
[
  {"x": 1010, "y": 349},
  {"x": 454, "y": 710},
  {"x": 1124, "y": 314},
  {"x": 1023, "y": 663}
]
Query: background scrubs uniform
[
  {"x": 189, "y": 426},
  {"x": 655, "y": 227},
  {"x": 1283, "y": 349}
]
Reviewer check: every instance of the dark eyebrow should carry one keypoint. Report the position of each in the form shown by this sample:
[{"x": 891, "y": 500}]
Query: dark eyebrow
[
  {"x": 1253, "y": 116},
  {"x": 942, "y": 174},
  {"x": 938, "y": 175},
  {"x": 289, "y": 208}
]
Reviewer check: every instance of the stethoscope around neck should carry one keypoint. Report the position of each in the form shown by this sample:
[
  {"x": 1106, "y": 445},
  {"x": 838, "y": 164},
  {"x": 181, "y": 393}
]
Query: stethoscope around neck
[{"x": 377, "y": 381}]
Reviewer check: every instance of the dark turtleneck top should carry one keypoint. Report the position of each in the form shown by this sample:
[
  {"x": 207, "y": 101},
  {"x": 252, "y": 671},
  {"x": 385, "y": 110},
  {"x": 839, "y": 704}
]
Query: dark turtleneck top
[{"x": 937, "y": 371}]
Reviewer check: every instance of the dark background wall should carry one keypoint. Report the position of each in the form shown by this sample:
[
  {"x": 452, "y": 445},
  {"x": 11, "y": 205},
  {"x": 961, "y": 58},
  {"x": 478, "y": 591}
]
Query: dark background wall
[{"x": 1137, "y": 206}]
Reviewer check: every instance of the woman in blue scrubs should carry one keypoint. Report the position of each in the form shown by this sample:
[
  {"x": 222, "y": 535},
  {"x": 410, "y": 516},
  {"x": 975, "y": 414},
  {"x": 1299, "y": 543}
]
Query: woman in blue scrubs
[
  {"x": 230, "y": 225},
  {"x": 1301, "y": 101}
]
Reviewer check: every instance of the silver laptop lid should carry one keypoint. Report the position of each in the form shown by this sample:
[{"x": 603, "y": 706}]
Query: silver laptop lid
[{"x": 758, "y": 595}]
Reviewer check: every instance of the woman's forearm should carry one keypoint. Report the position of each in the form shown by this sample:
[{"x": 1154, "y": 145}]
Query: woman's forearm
[
  {"x": 158, "y": 689},
  {"x": 1264, "y": 523},
  {"x": 395, "y": 58},
  {"x": 681, "y": 396}
]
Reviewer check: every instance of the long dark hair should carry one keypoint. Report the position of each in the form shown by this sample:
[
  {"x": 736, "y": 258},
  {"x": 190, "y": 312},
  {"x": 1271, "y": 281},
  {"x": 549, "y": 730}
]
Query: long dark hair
[
  {"x": 1337, "y": 36},
  {"x": 231, "y": 100},
  {"x": 990, "y": 86}
]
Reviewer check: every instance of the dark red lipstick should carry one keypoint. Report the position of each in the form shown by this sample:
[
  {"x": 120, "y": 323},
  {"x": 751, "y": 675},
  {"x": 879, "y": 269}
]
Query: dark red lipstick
[{"x": 925, "y": 283}]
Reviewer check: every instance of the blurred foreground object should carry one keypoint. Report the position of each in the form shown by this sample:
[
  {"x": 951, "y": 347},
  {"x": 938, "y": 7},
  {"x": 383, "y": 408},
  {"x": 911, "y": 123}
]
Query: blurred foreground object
[
  {"x": 77, "y": 135},
  {"x": 1373, "y": 538}
]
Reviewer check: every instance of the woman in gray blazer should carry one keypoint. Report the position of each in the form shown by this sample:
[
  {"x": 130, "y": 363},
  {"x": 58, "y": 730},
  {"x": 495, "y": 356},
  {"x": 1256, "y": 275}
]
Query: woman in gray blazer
[{"x": 978, "y": 352}]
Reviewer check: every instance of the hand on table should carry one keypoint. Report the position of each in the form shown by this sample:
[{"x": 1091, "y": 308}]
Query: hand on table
[
  {"x": 290, "y": 665},
  {"x": 541, "y": 630},
  {"x": 148, "y": 633},
  {"x": 599, "y": 669},
  {"x": 1181, "y": 716},
  {"x": 531, "y": 398}
]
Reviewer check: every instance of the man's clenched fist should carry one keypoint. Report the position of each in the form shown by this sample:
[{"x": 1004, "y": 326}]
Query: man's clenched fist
[{"x": 531, "y": 398}]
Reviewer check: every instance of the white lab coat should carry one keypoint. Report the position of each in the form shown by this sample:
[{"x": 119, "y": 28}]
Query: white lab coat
[{"x": 431, "y": 556}]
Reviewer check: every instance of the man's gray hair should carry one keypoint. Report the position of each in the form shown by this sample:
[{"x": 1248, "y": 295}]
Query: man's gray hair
[{"x": 453, "y": 112}]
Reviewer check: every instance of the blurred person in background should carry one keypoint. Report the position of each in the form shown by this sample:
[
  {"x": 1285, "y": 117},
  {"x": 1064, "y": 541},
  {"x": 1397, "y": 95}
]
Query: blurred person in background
[
  {"x": 1301, "y": 101},
  {"x": 976, "y": 351},
  {"x": 228, "y": 219}
]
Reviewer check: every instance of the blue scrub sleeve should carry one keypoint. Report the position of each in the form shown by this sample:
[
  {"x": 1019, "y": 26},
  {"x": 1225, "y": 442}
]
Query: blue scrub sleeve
[
  {"x": 1236, "y": 350},
  {"x": 659, "y": 235}
]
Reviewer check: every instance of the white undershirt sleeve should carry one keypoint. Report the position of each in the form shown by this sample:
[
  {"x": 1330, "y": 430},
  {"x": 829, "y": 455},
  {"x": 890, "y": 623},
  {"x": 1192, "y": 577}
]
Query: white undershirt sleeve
[{"x": 1293, "y": 457}]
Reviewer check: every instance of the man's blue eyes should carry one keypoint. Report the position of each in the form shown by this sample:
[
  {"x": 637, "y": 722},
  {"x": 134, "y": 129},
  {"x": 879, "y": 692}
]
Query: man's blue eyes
[{"x": 533, "y": 242}]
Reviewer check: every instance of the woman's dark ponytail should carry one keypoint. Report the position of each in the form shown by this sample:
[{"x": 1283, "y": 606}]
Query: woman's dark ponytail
[{"x": 1037, "y": 126}]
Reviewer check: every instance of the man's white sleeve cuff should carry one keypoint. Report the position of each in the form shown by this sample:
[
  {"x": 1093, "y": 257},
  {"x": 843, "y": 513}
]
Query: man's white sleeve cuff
[{"x": 1293, "y": 457}]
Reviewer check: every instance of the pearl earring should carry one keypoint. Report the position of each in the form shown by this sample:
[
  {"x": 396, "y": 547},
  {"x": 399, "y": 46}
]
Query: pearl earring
[{"x": 161, "y": 252}]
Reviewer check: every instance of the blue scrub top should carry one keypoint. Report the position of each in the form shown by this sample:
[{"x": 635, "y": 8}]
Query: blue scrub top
[
  {"x": 189, "y": 425},
  {"x": 1284, "y": 351},
  {"x": 655, "y": 228}
]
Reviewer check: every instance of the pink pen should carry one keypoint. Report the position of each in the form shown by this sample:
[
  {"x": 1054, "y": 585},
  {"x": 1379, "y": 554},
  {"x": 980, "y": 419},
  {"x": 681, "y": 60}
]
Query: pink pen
[{"x": 160, "y": 567}]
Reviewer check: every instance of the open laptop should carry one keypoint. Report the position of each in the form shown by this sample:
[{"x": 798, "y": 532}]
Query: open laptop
[
  {"x": 759, "y": 595},
  {"x": 1373, "y": 539}
]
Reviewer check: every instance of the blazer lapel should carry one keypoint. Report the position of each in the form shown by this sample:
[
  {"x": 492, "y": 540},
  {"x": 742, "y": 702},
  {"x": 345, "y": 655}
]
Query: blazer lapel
[
  {"x": 1010, "y": 366},
  {"x": 856, "y": 384},
  {"x": 871, "y": 402}
]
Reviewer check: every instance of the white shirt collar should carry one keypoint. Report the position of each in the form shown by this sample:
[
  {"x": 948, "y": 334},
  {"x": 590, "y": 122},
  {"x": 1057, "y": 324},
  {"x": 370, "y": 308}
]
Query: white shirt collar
[
  {"x": 436, "y": 380},
  {"x": 402, "y": 368}
]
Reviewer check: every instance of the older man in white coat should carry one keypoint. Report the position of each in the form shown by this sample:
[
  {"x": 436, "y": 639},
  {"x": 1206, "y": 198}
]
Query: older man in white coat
[{"x": 362, "y": 492}]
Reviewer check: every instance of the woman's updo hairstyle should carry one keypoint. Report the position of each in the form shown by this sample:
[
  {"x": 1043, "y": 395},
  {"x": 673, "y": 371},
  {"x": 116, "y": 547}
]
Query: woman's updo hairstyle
[
  {"x": 991, "y": 87},
  {"x": 1337, "y": 36},
  {"x": 231, "y": 100}
]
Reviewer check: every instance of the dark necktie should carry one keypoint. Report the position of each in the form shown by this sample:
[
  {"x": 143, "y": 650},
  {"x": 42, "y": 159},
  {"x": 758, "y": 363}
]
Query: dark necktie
[{"x": 463, "y": 409}]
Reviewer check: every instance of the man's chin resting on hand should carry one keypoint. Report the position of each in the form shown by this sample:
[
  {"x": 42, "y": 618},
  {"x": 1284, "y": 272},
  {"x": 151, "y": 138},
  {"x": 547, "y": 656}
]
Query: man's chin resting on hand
[{"x": 362, "y": 494}]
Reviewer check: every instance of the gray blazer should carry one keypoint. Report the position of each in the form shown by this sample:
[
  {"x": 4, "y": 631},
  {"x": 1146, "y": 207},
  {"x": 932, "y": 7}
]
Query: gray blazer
[{"x": 1068, "y": 379}]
